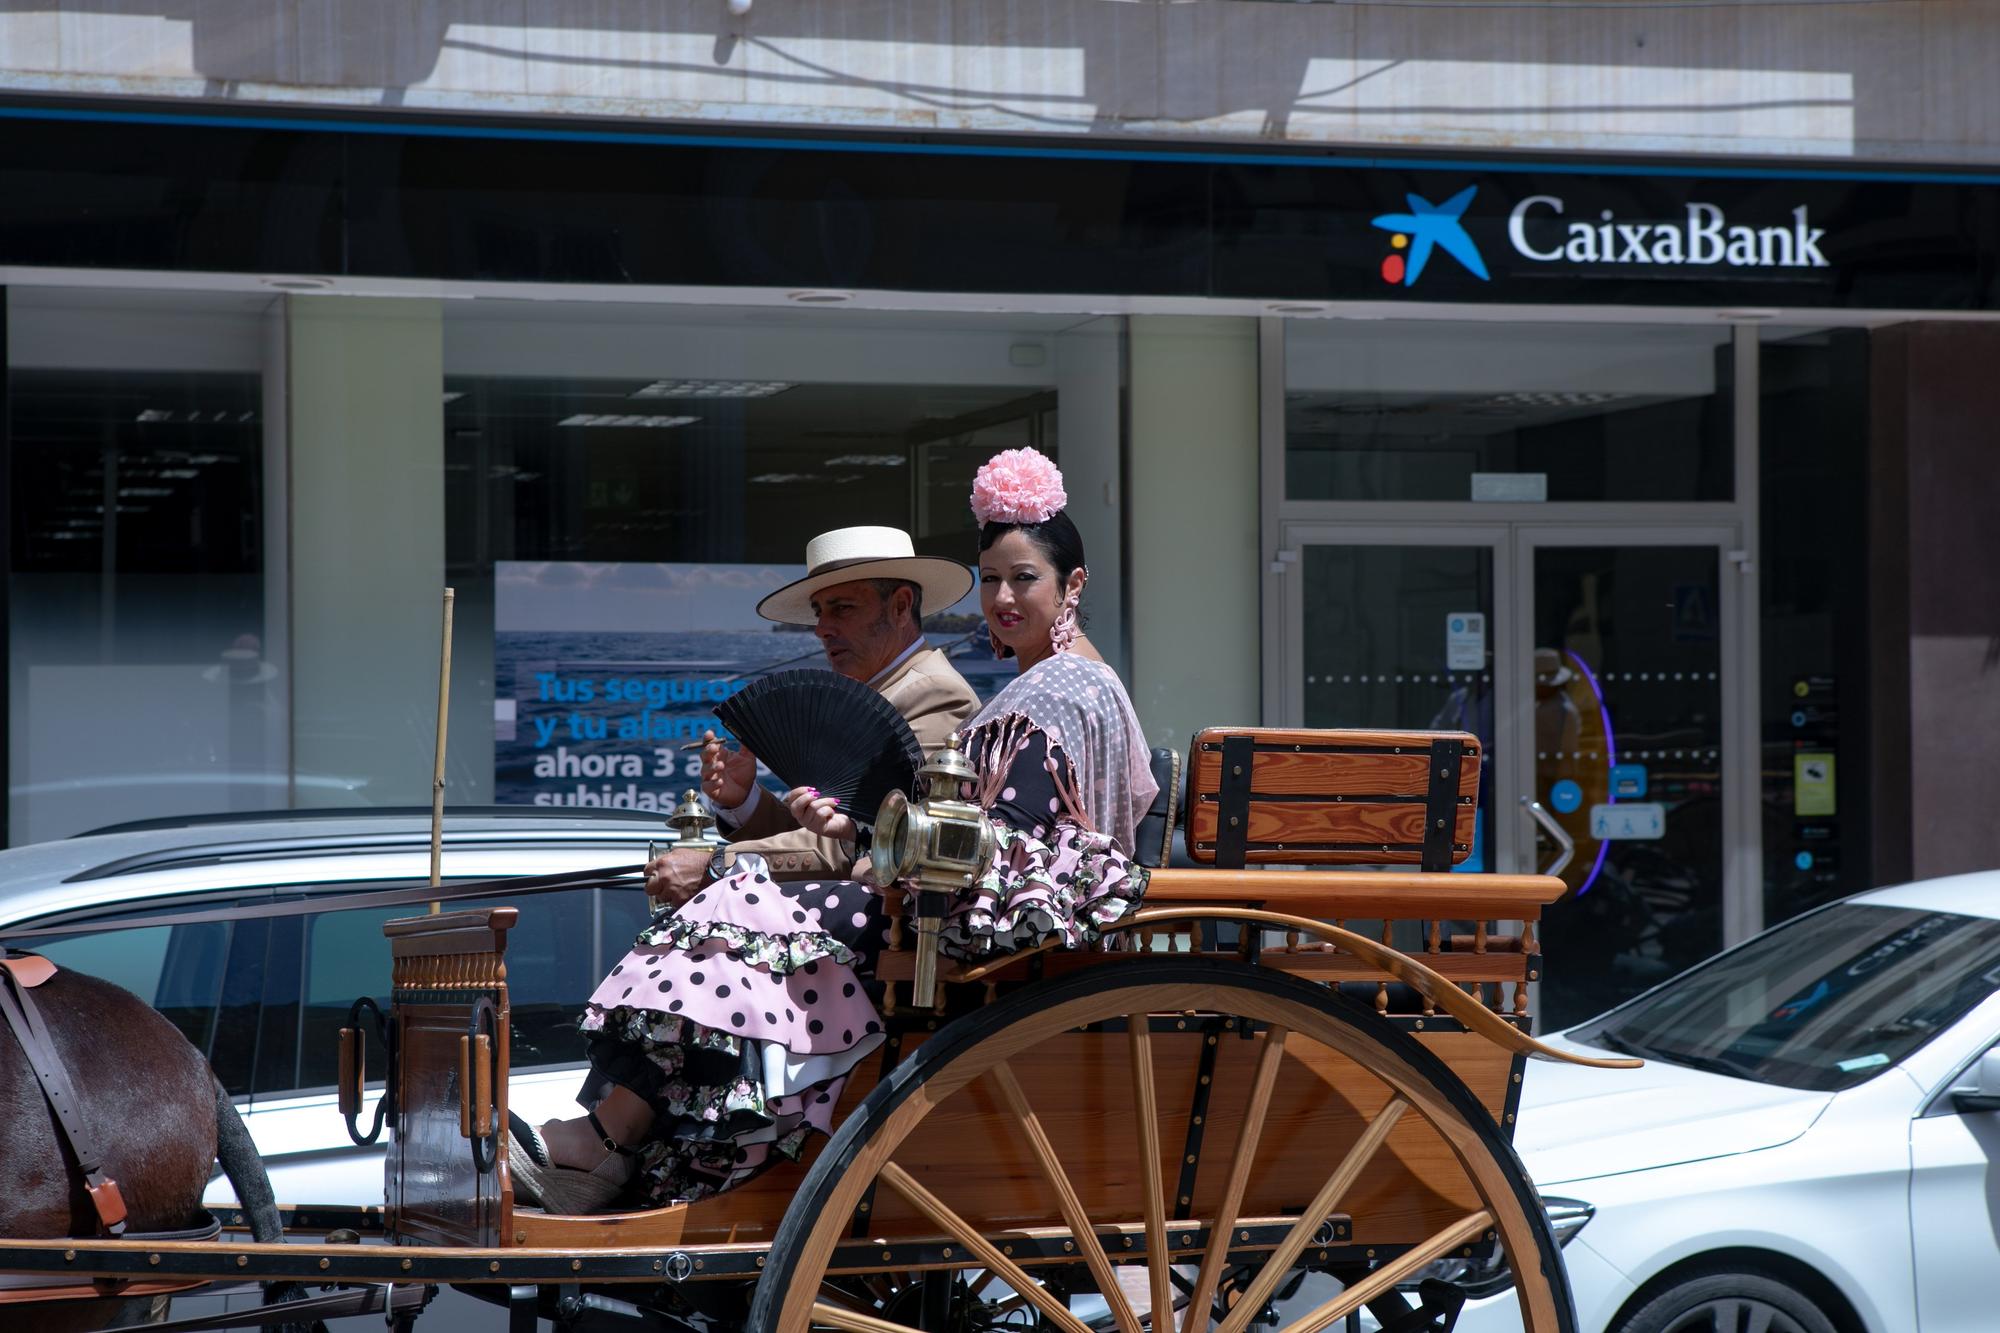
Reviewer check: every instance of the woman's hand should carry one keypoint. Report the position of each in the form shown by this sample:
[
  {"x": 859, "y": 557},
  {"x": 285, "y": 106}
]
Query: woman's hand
[{"x": 816, "y": 814}]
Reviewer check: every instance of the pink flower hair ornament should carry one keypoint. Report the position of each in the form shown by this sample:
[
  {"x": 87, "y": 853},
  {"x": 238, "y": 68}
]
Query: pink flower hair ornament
[{"x": 1018, "y": 486}]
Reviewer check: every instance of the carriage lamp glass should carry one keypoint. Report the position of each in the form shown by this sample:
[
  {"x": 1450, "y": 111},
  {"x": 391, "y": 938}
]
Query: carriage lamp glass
[
  {"x": 944, "y": 845},
  {"x": 1489, "y": 1275}
]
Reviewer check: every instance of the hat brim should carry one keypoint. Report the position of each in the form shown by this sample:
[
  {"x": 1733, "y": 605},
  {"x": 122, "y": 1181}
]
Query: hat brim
[{"x": 944, "y": 582}]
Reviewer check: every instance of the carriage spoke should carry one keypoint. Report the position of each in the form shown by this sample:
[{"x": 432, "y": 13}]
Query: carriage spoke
[
  {"x": 1067, "y": 1199},
  {"x": 940, "y": 1214},
  {"x": 1295, "y": 1241},
  {"x": 1254, "y": 1112},
  {"x": 1158, "y": 1259},
  {"x": 1392, "y": 1273},
  {"x": 832, "y": 1316}
]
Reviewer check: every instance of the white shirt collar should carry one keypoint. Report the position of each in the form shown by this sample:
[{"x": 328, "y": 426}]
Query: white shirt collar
[{"x": 917, "y": 645}]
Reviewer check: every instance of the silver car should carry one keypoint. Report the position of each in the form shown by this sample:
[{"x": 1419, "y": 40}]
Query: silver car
[{"x": 264, "y": 999}]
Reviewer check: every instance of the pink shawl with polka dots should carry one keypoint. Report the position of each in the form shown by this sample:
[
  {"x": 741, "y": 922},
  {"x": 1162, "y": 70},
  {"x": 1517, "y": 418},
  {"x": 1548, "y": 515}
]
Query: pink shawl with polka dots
[{"x": 1081, "y": 706}]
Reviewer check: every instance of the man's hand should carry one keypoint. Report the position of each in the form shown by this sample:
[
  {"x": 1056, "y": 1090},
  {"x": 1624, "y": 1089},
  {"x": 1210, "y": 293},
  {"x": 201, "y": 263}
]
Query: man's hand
[
  {"x": 726, "y": 775},
  {"x": 816, "y": 814},
  {"x": 678, "y": 874}
]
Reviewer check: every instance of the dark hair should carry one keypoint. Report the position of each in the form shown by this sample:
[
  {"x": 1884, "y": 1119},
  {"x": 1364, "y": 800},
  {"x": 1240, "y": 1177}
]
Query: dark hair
[
  {"x": 1060, "y": 544},
  {"x": 886, "y": 588},
  {"x": 1055, "y": 537}
]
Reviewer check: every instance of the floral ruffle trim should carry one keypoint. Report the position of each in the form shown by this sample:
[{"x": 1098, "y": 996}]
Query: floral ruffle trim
[{"x": 778, "y": 954}]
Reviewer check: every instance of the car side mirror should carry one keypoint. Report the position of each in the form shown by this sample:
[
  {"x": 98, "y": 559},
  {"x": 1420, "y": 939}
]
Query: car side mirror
[{"x": 1983, "y": 1094}]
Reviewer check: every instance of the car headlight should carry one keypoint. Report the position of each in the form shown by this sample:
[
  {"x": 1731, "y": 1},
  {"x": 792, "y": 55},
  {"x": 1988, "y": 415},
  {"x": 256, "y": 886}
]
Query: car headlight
[{"x": 1489, "y": 1275}]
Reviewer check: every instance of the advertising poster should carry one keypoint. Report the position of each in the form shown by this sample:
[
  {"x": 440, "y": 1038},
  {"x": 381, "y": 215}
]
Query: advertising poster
[{"x": 602, "y": 672}]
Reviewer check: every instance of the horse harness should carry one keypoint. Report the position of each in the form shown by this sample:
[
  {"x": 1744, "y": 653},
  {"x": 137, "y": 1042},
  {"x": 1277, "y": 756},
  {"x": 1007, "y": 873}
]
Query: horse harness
[{"x": 20, "y": 973}]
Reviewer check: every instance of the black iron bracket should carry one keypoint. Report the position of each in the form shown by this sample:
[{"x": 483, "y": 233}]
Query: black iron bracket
[
  {"x": 1441, "y": 802},
  {"x": 1197, "y": 1120},
  {"x": 1232, "y": 815}
]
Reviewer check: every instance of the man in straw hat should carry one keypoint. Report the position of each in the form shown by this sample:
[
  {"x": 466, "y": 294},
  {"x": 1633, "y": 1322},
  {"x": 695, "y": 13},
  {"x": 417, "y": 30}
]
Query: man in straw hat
[{"x": 864, "y": 594}]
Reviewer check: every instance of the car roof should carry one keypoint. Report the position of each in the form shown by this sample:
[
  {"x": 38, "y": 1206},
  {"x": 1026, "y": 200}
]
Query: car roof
[
  {"x": 1976, "y": 893},
  {"x": 174, "y": 855}
]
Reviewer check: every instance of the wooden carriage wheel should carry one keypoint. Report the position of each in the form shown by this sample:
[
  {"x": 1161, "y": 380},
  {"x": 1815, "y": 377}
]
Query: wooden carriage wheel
[{"x": 964, "y": 1084}]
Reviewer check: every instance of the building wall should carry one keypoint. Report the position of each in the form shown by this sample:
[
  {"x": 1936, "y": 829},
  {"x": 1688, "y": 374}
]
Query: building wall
[
  {"x": 1936, "y": 598},
  {"x": 1902, "y": 80},
  {"x": 1191, "y": 526}
]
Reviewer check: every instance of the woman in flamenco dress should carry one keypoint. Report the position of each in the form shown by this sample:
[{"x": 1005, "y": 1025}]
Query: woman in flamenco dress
[{"x": 721, "y": 1042}]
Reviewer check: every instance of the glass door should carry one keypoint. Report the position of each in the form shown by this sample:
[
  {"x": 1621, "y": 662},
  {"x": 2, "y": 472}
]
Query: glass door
[
  {"x": 1602, "y": 670},
  {"x": 1401, "y": 628},
  {"x": 1624, "y": 769}
]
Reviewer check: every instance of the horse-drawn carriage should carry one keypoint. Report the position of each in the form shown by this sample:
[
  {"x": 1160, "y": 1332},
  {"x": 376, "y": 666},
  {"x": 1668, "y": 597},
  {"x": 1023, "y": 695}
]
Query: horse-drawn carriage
[{"x": 1275, "y": 1073}]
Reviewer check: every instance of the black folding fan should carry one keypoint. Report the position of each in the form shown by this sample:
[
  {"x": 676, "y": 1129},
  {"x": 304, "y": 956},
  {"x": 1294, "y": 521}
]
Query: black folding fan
[{"x": 819, "y": 729}]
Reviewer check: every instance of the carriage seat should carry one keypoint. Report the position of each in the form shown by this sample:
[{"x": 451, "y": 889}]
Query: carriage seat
[{"x": 1155, "y": 836}]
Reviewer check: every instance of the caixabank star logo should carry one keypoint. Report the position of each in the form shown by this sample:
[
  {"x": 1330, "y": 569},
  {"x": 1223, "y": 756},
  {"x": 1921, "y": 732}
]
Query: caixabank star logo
[{"x": 1426, "y": 227}]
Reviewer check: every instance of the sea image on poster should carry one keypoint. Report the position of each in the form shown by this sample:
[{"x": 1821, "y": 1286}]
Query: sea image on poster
[{"x": 602, "y": 672}]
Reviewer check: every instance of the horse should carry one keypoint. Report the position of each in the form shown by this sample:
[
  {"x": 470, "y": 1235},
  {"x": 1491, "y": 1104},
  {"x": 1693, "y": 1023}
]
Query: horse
[{"x": 160, "y": 1117}]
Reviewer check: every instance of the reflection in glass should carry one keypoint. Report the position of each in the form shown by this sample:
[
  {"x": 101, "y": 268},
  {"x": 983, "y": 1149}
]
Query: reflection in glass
[
  {"x": 1628, "y": 759},
  {"x": 141, "y": 684},
  {"x": 1446, "y": 411},
  {"x": 1399, "y": 637}
]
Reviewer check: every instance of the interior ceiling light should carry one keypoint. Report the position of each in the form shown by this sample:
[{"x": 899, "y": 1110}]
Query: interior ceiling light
[
  {"x": 155, "y": 415},
  {"x": 713, "y": 388},
  {"x": 297, "y": 284},
  {"x": 625, "y": 419},
  {"x": 454, "y": 397},
  {"x": 1298, "y": 308},
  {"x": 782, "y": 478},
  {"x": 867, "y": 460},
  {"x": 819, "y": 297},
  {"x": 1747, "y": 312}
]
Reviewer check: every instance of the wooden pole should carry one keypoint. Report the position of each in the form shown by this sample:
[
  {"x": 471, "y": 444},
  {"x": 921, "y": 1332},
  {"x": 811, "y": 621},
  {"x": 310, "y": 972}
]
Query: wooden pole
[{"x": 437, "y": 771}]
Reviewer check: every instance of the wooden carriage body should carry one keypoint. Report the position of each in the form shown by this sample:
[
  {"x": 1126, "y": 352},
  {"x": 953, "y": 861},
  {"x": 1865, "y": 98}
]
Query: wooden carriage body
[{"x": 1299, "y": 798}]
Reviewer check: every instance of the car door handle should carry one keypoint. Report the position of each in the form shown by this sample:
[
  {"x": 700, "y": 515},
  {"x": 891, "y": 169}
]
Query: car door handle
[{"x": 1554, "y": 830}]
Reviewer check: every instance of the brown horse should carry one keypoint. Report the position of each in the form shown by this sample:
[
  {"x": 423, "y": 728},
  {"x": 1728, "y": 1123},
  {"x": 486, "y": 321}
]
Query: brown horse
[{"x": 160, "y": 1117}]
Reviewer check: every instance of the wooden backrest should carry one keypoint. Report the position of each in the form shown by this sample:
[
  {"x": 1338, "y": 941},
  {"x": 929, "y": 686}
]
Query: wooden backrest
[
  {"x": 1273, "y": 796},
  {"x": 446, "y": 1172}
]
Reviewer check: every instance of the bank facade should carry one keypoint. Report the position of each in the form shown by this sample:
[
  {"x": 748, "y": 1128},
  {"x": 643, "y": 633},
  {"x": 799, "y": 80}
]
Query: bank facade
[{"x": 1666, "y": 475}]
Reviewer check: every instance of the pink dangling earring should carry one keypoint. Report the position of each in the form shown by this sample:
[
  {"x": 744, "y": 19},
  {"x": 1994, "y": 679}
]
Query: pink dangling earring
[{"x": 1062, "y": 634}]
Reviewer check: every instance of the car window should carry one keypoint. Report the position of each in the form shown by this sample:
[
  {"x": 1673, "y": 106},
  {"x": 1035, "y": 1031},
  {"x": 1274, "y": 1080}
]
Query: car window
[
  {"x": 179, "y": 970},
  {"x": 1823, "y": 1002},
  {"x": 551, "y": 970}
]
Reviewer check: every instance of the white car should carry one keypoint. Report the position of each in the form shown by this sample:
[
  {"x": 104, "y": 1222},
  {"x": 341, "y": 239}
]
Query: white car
[
  {"x": 265, "y": 999},
  {"x": 1813, "y": 1145}
]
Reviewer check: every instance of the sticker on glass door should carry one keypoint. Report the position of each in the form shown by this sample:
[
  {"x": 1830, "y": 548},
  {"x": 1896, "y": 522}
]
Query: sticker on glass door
[{"x": 1465, "y": 641}]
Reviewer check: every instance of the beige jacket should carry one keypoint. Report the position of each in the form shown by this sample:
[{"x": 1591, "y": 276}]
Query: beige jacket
[{"x": 933, "y": 698}]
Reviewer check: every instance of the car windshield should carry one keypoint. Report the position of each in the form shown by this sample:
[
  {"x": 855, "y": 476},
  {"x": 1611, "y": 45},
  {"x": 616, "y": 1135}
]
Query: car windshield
[{"x": 1821, "y": 1003}]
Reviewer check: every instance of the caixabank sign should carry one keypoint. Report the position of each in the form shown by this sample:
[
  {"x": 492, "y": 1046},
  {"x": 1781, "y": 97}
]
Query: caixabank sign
[
  {"x": 347, "y": 194},
  {"x": 1538, "y": 230},
  {"x": 1618, "y": 235}
]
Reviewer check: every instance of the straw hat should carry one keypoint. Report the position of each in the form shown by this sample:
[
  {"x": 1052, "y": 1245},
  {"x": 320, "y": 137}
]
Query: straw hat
[{"x": 847, "y": 555}]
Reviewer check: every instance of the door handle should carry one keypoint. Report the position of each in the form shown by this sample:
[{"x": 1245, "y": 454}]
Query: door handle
[{"x": 1555, "y": 831}]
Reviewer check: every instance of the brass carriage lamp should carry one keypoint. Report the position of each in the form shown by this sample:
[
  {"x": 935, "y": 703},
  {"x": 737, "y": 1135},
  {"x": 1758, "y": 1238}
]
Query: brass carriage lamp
[
  {"x": 945, "y": 845},
  {"x": 696, "y": 829}
]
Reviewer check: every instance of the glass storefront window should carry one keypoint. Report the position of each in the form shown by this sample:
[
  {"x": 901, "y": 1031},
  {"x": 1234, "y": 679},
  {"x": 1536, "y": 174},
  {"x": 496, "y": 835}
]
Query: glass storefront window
[
  {"x": 141, "y": 684},
  {"x": 615, "y": 508},
  {"x": 1411, "y": 410}
]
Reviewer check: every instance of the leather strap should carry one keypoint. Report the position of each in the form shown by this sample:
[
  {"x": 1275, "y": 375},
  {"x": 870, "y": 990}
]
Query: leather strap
[
  {"x": 18, "y": 1008},
  {"x": 29, "y": 970}
]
